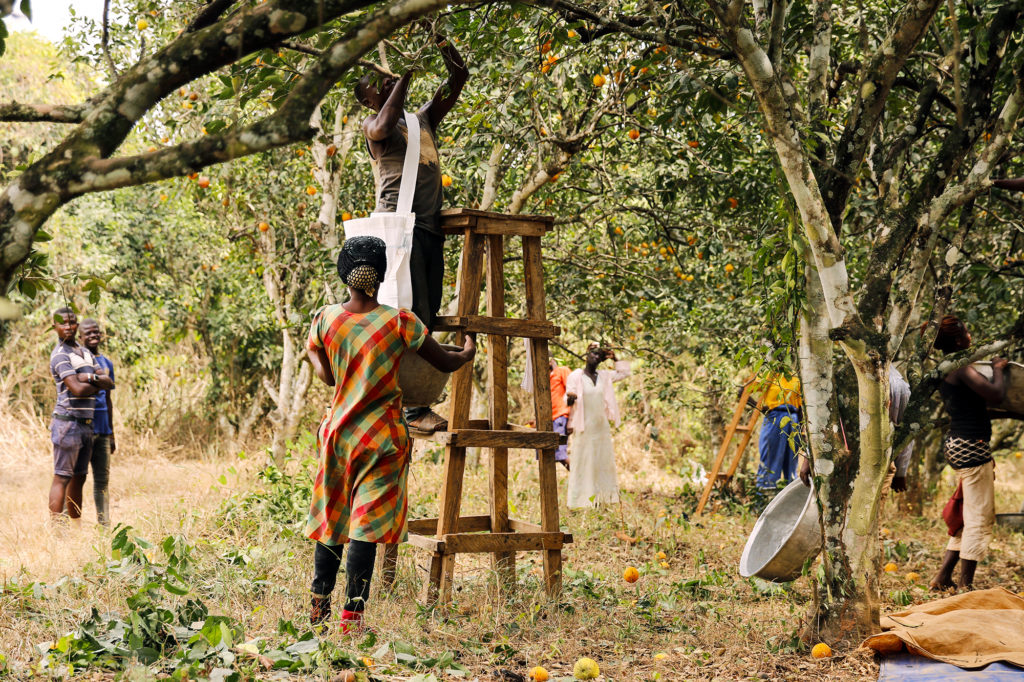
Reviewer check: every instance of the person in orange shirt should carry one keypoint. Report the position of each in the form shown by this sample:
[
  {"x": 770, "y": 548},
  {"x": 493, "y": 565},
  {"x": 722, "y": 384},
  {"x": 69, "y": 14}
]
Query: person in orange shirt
[
  {"x": 560, "y": 409},
  {"x": 780, "y": 434}
]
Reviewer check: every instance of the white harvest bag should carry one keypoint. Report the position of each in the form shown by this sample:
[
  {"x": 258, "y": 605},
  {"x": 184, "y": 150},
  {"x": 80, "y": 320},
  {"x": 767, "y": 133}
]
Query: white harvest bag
[{"x": 396, "y": 229}]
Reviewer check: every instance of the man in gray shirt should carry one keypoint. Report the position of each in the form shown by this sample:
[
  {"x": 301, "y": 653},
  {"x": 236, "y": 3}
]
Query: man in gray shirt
[
  {"x": 78, "y": 379},
  {"x": 387, "y": 138}
]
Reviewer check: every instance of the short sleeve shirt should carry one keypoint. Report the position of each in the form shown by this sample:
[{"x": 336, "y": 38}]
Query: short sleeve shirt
[
  {"x": 559, "y": 408},
  {"x": 101, "y": 417},
  {"x": 65, "y": 360}
]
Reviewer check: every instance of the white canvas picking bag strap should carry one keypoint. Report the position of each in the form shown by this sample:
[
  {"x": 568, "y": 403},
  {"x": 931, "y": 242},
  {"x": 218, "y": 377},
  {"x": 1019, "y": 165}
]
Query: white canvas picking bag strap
[{"x": 396, "y": 229}]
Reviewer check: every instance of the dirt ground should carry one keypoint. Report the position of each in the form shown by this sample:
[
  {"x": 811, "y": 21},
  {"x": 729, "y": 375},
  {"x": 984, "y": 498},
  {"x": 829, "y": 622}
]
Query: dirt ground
[{"x": 690, "y": 616}]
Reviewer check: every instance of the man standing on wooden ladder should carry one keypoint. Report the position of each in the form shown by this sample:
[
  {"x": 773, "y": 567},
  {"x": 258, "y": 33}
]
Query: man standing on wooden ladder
[{"x": 386, "y": 137}]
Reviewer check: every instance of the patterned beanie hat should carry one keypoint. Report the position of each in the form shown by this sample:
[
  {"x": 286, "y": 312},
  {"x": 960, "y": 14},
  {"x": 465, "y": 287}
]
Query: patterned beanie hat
[{"x": 359, "y": 251}]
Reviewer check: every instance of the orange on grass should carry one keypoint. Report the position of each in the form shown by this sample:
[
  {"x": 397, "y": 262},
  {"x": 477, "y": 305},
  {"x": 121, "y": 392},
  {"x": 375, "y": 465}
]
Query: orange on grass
[
  {"x": 538, "y": 674},
  {"x": 891, "y": 567},
  {"x": 631, "y": 575},
  {"x": 821, "y": 650}
]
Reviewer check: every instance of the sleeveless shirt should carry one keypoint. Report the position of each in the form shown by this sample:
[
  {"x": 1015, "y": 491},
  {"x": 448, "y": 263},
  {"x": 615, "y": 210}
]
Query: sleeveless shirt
[
  {"x": 968, "y": 412},
  {"x": 387, "y": 174}
]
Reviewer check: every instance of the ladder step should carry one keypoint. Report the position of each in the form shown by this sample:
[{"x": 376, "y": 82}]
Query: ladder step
[
  {"x": 500, "y": 326},
  {"x": 722, "y": 476},
  {"x": 486, "y": 438},
  {"x": 456, "y": 221},
  {"x": 744, "y": 429}
]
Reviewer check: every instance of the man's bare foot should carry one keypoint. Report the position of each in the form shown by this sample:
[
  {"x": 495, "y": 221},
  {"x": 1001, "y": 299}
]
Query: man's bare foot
[
  {"x": 429, "y": 423},
  {"x": 937, "y": 585}
]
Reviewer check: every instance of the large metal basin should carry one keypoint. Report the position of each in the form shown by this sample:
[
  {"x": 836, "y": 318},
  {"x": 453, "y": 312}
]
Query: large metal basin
[
  {"x": 1013, "y": 375},
  {"x": 1013, "y": 521},
  {"x": 420, "y": 382},
  {"x": 785, "y": 536}
]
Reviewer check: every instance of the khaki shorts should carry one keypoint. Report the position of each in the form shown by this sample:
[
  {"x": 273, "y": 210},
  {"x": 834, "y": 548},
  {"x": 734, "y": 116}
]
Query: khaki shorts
[{"x": 72, "y": 448}]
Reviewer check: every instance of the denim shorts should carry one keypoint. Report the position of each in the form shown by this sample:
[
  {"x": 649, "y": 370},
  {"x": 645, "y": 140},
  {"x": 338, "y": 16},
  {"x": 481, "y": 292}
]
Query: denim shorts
[{"x": 72, "y": 447}]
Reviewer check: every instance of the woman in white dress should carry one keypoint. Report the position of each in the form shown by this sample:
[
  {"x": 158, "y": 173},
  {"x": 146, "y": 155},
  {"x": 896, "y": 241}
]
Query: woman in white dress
[{"x": 590, "y": 394}]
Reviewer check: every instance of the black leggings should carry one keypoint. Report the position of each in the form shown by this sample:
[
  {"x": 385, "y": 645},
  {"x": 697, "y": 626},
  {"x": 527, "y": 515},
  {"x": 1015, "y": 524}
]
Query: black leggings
[{"x": 358, "y": 569}]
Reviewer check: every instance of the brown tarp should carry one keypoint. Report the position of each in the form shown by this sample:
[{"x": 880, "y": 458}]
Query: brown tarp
[{"x": 969, "y": 630}]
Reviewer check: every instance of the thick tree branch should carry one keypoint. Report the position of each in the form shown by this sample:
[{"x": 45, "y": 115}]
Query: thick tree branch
[
  {"x": 209, "y": 15},
  {"x": 876, "y": 81},
  {"x": 15, "y": 112}
]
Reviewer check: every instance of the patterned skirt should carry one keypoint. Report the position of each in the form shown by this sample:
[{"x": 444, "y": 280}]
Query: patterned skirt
[{"x": 964, "y": 453}]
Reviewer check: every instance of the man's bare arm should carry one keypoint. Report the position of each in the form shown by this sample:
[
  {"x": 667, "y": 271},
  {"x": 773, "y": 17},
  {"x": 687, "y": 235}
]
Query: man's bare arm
[
  {"x": 446, "y": 96},
  {"x": 378, "y": 127},
  {"x": 1014, "y": 184}
]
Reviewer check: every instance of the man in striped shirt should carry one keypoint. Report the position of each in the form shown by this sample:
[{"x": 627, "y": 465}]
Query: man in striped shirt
[{"x": 78, "y": 380}]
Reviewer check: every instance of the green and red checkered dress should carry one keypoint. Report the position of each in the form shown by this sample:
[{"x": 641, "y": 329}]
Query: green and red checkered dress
[{"x": 364, "y": 444}]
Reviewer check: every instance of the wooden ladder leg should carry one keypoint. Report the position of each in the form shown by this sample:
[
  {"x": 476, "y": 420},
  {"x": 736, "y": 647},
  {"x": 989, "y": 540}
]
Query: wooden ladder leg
[
  {"x": 442, "y": 564},
  {"x": 388, "y": 566},
  {"x": 497, "y": 379},
  {"x": 730, "y": 433},
  {"x": 535, "y": 309}
]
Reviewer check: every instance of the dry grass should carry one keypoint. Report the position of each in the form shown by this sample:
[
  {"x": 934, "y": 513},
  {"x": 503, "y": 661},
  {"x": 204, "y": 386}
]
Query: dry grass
[{"x": 721, "y": 629}]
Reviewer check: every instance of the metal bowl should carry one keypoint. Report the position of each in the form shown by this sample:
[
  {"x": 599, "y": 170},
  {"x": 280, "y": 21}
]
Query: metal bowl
[
  {"x": 420, "y": 382},
  {"x": 1011, "y": 521},
  {"x": 786, "y": 535}
]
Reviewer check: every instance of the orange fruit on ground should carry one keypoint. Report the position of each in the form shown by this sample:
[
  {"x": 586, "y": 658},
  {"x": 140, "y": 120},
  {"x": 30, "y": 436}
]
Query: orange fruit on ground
[
  {"x": 661, "y": 556},
  {"x": 890, "y": 567},
  {"x": 821, "y": 650},
  {"x": 446, "y": 180},
  {"x": 538, "y": 674},
  {"x": 664, "y": 564},
  {"x": 331, "y": 150},
  {"x": 204, "y": 182},
  {"x": 634, "y": 134},
  {"x": 310, "y": 190},
  {"x": 913, "y": 576},
  {"x": 264, "y": 227},
  {"x": 631, "y": 575},
  {"x": 599, "y": 81}
]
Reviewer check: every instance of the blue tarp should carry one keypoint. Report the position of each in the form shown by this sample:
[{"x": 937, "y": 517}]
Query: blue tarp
[{"x": 910, "y": 668}]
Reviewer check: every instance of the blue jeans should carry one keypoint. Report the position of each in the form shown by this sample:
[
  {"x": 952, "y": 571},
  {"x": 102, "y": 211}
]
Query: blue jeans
[
  {"x": 560, "y": 426},
  {"x": 780, "y": 439}
]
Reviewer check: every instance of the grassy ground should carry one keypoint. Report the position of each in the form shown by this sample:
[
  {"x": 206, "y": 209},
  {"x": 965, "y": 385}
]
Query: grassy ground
[{"x": 235, "y": 547}]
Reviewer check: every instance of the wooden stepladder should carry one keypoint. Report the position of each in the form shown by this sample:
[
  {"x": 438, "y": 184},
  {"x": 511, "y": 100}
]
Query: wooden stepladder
[
  {"x": 747, "y": 429},
  {"x": 451, "y": 534}
]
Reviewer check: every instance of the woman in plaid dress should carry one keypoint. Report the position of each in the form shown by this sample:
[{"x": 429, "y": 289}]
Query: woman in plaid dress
[{"x": 359, "y": 494}]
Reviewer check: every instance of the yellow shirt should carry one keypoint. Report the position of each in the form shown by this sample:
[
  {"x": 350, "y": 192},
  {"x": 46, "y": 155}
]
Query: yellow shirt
[{"x": 781, "y": 390}]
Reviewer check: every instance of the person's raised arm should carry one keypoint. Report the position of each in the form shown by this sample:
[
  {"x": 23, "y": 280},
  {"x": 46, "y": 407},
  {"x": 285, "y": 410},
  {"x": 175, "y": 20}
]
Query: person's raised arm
[
  {"x": 321, "y": 365},
  {"x": 377, "y": 127},
  {"x": 992, "y": 391},
  {"x": 446, "y": 96},
  {"x": 447, "y": 360},
  {"x": 1012, "y": 184}
]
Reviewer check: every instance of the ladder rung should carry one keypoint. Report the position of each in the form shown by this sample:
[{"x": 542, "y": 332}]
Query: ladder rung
[
  {"x": 502, "y": 326},
  {"x": 744, "y": 429},
  {"x": 722, "y": 476}
]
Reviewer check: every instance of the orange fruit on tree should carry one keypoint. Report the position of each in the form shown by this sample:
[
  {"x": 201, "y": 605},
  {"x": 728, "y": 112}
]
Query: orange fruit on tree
[
  {"x": 631, "y": 575},
  {"x": 571, "y": 33},
  {"x": 163, "y": 197},
  {"x": 225, "y": 201},
  {"x": 446, "y": 180},
  {"x": 264, "y": 227},
  {"x": 618, "y": 230},
  {"x": 733, "y": 202},
  {"x": 634, "y": 134},
  {"x": 546, "y": 47},
  {"x": 693, "y": 144},
  {"x": 331, "y": 150},
  {"x": 193, "y": 176},
  {"x": 346, "y": 216},
  {"x": 203, "y": 182},
  {"x": 165, "y": 140},
  {"x": 599, "y": 81},
  {"x": 821, "y": 650},
  {"x": 310, "y": 190},
  {"x": 729, "y": 267},
  {"x": 142, "y": 24}
]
